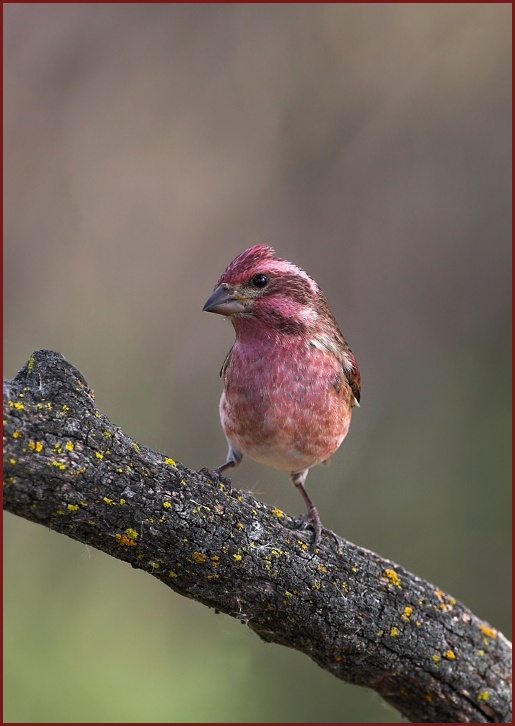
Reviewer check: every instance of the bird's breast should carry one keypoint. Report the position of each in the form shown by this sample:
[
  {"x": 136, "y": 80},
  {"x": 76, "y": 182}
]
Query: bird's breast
[{"x": 281, "y": 404}]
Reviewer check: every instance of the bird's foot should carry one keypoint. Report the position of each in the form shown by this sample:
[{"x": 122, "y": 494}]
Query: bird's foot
[
  {"x": 216, "y": 477},
  {"x": 310, "y": 519}
]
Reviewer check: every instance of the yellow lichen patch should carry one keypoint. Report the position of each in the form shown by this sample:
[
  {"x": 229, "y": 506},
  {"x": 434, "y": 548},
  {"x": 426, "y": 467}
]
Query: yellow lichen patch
[
  {"x": 392, "y": 576},
  {"x": 170, "y": 461},
  {"x": 58, "y": 464},
  {"x": 135, "y": 446},
  {"x": 48, "y": 405},
  {"x": 12, "y": 460},
  {"x": 199, "y": 557},
  {"x": 481, "y": 652},
  {"x": 446, "y": 601},
  {"x": 345, "y": 587},
  {"x": 69, "y": 446},
  {"x": 291, "y": 619},
  {"x": 428, "y": 697},
  {"x": 107, "y": 500},
  {"x": 483, "y": 696},
  {"x": 72, "y": 507},
  {"x": 99, "y": 455},
  {"x": 322, "y": 568},
  {"x": 167, "y": 505},
  {"x": 240, "y": 526},
  {"x": 213, "y": 576},
  {"x": 18, "y": 404},
  {"x": 215, "y": 560},
  {"x": 380, "y": 633},
  {"x": 65, "y": 409},
  {"x": 317, "y": 585},
  {"x": 81, "y": 470},
  {"x": 277, "y": 512},
  {"x": 16, "y": 434},
  {"x": 302, "y": 544},
  {"x": 30, "y": 364},
  {"x": 171, "y": 573},
  {"x": 122, "y": 501},
  {"x": 125, "y": 541},
  {"x": 407, "y": 613},
  {"x": 237, "y": 557},
  {"x": 354, "y": 569},
  {"x": 489, "y": 632},
  {"x": 108, "y": 434},
  {"x": 436, "y": 657},
  {"x": 35, "y": 446},
  {"x": 394, "y": 632},
  {"x": 131, "y": 533},
  {"x": 449, "y": 654}
]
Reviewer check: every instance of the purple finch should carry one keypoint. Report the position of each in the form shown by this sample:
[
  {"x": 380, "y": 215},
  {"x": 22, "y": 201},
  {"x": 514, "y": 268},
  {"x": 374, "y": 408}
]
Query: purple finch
[{"x": 290, "y": 379}]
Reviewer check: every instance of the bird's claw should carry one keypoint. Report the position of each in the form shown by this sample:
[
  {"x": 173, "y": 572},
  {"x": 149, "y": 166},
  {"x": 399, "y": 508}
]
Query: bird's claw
[
  {"x": 216, "y": 477},
  {"x": 310, "y": 520}
]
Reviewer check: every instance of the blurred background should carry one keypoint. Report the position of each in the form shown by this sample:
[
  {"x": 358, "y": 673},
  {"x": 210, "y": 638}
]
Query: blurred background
[{"x": 145, "y": 145}]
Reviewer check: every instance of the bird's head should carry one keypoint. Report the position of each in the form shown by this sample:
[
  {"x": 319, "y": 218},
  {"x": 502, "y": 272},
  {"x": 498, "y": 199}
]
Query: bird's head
[
  {"x": 261, "y": 287},
  {"x": 268, "y": 298}
]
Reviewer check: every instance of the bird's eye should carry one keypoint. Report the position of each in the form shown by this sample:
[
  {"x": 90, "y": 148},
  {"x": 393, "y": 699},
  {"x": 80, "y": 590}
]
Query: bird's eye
[{"x": 260, "y": 280}]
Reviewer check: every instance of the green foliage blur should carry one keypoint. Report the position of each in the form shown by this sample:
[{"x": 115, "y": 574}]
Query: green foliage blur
[{"x": 145, "y": 145}]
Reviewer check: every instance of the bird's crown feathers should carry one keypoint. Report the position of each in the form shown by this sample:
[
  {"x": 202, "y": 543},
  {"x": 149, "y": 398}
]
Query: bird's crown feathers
[{"x": 262, "y": 259}]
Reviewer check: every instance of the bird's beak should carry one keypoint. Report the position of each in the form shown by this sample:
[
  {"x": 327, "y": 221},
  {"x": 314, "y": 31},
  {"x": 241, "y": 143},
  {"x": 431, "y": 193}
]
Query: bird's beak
[{"x": 224, "y": 301}]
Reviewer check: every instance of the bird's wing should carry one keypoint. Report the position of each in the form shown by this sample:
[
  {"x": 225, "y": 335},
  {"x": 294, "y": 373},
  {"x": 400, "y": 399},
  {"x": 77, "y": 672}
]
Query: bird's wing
[
  {"x": 225, "y": 364},
  {"x": 351, "y": 370}
]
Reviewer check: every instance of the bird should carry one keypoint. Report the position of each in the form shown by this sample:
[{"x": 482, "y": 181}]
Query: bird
[{"x": 290, "y": 381}]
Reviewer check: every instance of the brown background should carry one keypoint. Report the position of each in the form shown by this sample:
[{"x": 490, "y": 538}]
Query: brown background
[{"x": 145, "y": 146}]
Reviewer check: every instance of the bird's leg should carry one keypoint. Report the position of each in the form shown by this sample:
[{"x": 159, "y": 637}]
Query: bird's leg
[
  {"x": 312, "y": 517},
  {"x": 234, "y": 457}
]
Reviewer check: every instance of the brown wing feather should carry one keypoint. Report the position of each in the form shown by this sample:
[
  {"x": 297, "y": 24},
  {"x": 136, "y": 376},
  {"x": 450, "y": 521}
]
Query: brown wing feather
[
  {"x": 339, "y": 346},
  {"x": 225, "y": 364}
]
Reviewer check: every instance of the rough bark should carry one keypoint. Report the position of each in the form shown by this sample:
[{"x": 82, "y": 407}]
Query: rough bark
[{"x": 363, "y": 618}]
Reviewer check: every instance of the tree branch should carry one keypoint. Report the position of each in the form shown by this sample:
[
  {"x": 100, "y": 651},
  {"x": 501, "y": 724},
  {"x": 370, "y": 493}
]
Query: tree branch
[{"x": 363, "y": 618}]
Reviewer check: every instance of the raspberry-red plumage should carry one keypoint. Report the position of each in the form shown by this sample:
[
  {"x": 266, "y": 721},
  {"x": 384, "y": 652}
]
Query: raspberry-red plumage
[{"x": 290, "y": 379}]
